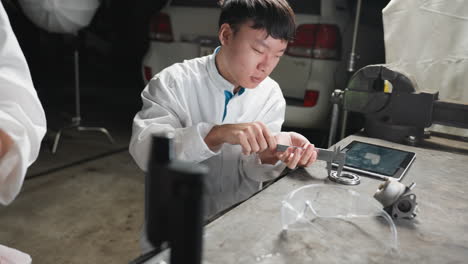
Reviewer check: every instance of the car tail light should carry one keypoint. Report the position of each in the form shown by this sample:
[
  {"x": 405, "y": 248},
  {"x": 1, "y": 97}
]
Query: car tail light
[
  {"x": 160, "y": 28},
  {"x": 148, "y": 73},
  {"x": 317, "y": 41},
  {"x": 311, "y": 98}
]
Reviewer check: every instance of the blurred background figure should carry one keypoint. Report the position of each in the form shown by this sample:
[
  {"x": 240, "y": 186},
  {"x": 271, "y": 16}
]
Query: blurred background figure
[{"x": 22, "y": 118}]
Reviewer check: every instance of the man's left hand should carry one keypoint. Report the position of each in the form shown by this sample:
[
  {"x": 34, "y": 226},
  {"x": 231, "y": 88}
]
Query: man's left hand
[{"x": 303, "y": 156}]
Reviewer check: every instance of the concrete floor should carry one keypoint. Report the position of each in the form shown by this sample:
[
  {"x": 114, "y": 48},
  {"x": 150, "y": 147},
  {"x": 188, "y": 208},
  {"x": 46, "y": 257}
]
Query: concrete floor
[
  {"x": 85, "y": 203},
  {"x": 81, "y": 205},
  {"x": 90, "y": 213}
]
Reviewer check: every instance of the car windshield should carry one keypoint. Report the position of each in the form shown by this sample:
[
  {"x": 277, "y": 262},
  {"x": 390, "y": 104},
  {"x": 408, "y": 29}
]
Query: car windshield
[{"x": 311, "y": 7}]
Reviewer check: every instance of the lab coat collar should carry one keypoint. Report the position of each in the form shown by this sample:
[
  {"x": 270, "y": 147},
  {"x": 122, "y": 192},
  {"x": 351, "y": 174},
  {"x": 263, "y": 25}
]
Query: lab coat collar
[{"x": 217, "y": 78}]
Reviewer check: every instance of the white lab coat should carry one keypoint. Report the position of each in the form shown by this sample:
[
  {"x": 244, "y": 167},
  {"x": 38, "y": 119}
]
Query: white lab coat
[
  {"x": 188, "y": 99},
  {"x": 21, "y": 114},
  {"x": 427, "y": 40}
]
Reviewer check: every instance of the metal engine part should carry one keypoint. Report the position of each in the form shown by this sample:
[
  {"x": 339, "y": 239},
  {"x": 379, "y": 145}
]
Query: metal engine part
[{"x": 397, "y": 199}]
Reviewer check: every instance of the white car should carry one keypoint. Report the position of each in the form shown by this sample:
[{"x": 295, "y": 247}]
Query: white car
[{"x": 311, "y": 68}]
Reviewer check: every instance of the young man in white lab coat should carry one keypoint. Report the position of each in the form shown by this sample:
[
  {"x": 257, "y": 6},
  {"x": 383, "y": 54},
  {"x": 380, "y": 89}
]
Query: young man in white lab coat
[{"x": 223, "y": 109}]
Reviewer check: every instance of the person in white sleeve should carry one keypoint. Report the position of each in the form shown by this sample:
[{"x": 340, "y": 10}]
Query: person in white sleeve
[
  {"x": 22, "y": 124},
  {"x": 22, "y": 118},
  {"x": 224, "y": 110}
]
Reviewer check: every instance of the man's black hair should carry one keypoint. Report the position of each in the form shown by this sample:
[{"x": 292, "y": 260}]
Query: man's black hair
[{"x": 275, "y": 16}]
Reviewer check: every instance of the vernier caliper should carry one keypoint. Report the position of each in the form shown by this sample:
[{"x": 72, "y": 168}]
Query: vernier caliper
[{"x": 331, "y": 156}]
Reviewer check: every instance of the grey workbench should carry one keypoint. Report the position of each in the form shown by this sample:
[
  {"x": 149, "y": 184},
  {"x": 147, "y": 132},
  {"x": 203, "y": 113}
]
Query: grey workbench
[{"x": 251, "y": 232}]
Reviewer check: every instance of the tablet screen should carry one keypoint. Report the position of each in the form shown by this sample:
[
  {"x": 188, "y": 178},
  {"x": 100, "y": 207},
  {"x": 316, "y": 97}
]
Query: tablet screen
[{"x": 375, "y": 158}]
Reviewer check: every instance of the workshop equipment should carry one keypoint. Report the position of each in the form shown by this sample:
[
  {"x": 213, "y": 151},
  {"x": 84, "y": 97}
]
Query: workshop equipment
[
  {"x": 331, "y": 156},
  {"x": 336, "y": 100},
  {"x": 336, "y": 217},
  {"x": 398, "y": 113},
  {"x": 60, "y": 16},
  {"x": 76, "y": 121},
  {"x": 397, "y": 199},
  {"x": 66, "y": 17},
  {"x": 173, "y": 205}
]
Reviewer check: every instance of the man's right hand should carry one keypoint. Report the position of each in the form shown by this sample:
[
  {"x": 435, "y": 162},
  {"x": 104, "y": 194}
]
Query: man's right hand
[{"x": 253, "y": 137}]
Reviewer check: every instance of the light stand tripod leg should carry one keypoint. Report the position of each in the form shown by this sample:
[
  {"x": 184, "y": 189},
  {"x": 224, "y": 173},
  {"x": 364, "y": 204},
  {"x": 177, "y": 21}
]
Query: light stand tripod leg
[
  {"x": 76, "y": 120},
  {"x": 56, "y": 141},
  {"x": 97, "y": 129}
]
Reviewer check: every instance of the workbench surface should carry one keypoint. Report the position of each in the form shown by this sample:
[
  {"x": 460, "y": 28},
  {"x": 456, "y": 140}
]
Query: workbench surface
[{"x": 250, "y": 233}]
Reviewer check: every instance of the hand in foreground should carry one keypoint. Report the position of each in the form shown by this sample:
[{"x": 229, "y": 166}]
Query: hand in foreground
[{"x": 5, "y": 143}]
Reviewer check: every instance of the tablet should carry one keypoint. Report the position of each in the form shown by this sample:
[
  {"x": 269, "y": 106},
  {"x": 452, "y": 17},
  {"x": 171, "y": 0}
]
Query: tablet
[{"x": 377, "y": 161}]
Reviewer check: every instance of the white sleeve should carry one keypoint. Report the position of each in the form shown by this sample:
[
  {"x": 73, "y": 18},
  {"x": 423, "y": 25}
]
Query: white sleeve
[
  {"x": 22, "y": 117},
  {"x": 273, "y": 117},
  {"x": 11, "y": 255},
  {"x": 164, "y": 112}
]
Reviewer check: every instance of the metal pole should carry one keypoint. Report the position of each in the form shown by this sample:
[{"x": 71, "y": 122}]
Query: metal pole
[
  {"x": 351, "y": 65},
  {"x": 352, "y": 57},
  {"x": 344, "y": 122},
  {"x": 77, "y": 83},
  {"x": 333, "y": 125},
  {"x": 336, "y": 101}
]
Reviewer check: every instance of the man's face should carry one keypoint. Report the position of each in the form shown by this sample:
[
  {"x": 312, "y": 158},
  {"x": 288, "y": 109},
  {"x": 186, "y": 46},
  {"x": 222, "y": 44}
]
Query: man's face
[{"x": 251, "y": 55}]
